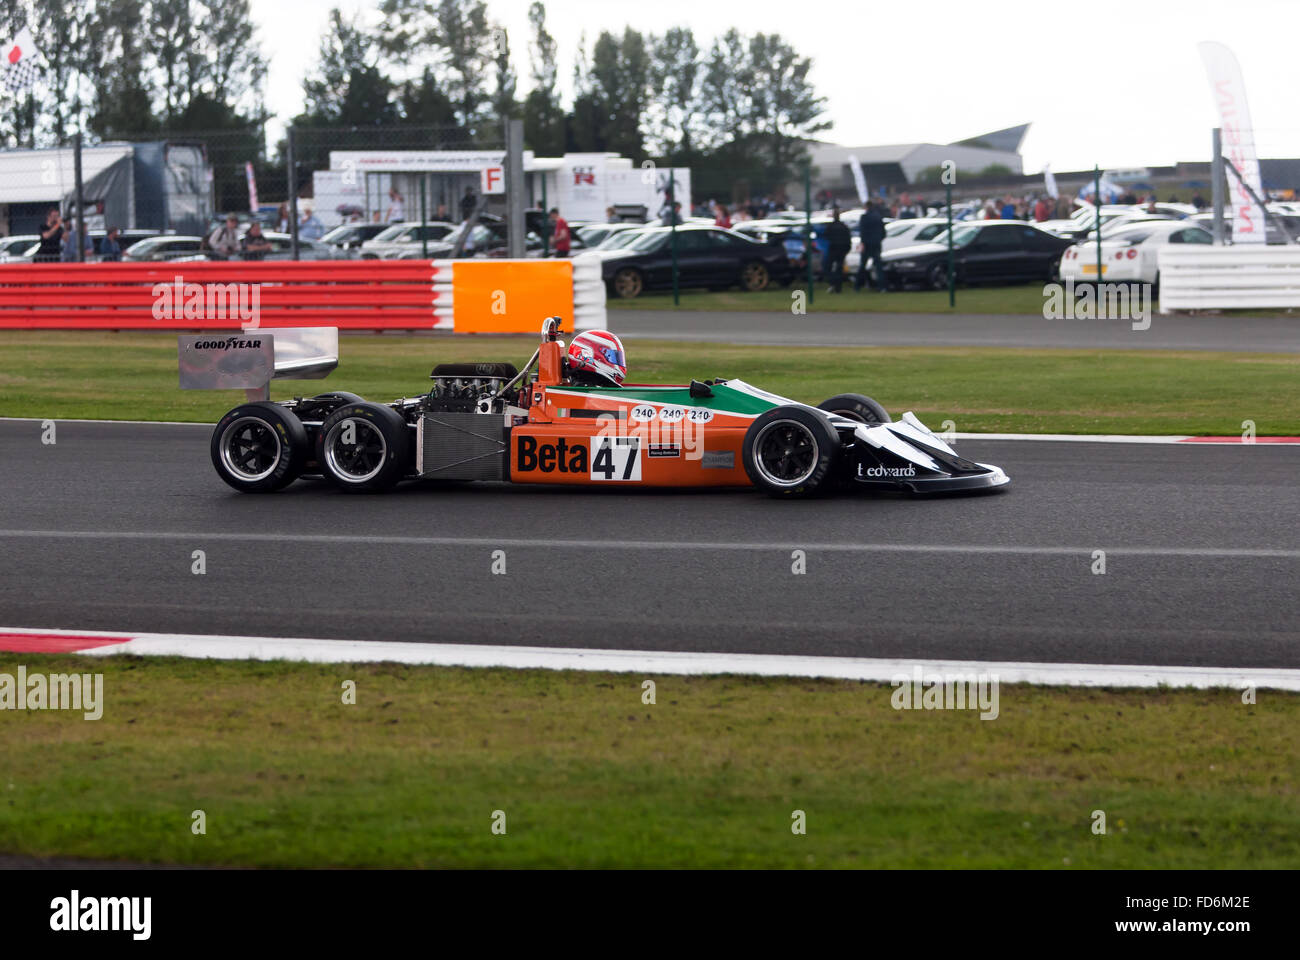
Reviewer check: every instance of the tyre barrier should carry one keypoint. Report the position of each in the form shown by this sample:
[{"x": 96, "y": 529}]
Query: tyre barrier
[{"x": 461, "y": 296}]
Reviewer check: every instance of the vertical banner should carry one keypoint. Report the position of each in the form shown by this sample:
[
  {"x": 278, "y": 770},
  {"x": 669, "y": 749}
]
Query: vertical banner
[
  {"x": 1049, "y": 181},
  {"x": 1229, "y": 91},
  {"x": 252, "y": 188},
  {"x": 859, "y": 178}
]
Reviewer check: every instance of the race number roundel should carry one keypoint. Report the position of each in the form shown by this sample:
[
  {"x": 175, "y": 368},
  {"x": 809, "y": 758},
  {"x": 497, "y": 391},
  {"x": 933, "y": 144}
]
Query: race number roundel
[
  {"x": 643, "y": 413},
  {"x": 671, "y": 414}
]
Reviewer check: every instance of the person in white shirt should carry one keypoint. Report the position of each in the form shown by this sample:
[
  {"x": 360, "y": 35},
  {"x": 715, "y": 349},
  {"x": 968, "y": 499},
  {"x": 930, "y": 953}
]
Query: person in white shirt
[{"x": 396, "y": 207}]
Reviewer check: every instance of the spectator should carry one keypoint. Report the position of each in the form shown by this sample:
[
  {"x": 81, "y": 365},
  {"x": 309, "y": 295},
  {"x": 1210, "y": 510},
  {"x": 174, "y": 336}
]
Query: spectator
[
  {"x": 720, "y": 216},
  {"x": 838, "y": 242},
  {"x": 51, "y": 238},
  {"x": 611, "y": 216},
  {"x": 442, "y": 212},
  {"x": 309, "y": 227},
  {"x": 224, "y": 240},
  {"x": 396, "y": 212},
  {"x": 1198, "y": 201},
  {"x": 560, "y": 237},
  {"x": 68, "y": 252},
  {"x": 282, "y": 218},
  {"x": 467, "y": 204},
  {"x": 1008, "y": 211},
  {"x": 254, "y": 246},
  {"x": 871, "y": 228},
  {"x": 1042, "y": 211},
  {"x": 110, "y": 249},
  {"x": 673, "y": 216}
]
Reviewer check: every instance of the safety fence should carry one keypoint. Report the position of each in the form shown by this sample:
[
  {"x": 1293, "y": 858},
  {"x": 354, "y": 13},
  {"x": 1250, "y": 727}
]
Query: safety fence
[
  {"x": 463, "y": 296},
  {"x": 1234, "y": 277}
]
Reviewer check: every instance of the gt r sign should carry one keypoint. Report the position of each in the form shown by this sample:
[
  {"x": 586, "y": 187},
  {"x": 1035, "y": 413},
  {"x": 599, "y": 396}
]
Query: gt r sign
[{"x": 493, "y": 180}]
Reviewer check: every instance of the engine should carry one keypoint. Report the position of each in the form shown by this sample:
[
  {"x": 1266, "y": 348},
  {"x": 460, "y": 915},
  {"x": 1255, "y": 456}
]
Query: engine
[{"x": 470, "y": 388}]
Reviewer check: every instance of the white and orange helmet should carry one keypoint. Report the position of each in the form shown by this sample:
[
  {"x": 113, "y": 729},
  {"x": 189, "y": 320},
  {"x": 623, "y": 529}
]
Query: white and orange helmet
[{"x": 598, "y": 355}]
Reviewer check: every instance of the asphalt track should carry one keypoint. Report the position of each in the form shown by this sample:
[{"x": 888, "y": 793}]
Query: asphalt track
[
  {"x": 1280, "y": 334},
  {"x": 97, "y": 532}
]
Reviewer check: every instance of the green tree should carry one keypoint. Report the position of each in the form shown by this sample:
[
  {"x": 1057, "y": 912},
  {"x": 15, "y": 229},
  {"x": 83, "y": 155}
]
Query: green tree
[{"x": 543, "y": 116}]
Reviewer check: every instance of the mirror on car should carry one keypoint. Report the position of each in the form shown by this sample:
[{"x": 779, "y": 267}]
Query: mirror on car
[{"x": 700, "y": 390}]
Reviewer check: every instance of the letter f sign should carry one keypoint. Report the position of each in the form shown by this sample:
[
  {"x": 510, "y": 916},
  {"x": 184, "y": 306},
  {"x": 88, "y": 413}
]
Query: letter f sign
[{"x": 493, "y": 180}]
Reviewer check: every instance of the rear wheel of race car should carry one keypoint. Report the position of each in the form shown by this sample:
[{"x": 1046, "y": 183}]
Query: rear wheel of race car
[
  {"x": 791, "y": 452},
  {"x": 856, "y": 407},
  {"x": 628, "y": 283},
  {"x": 364, "y": 447},
  {"x": 754, "y": 277},
  {"x": 259, "y": 447}
]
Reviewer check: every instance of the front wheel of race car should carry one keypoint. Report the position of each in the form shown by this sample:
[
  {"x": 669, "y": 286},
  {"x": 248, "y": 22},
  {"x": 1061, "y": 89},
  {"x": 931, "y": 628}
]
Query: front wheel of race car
[
  {"x": 364, "y": 447},
  {"x": 856, "y": 407},
  {"x": 259, "y": 447},
  {"x": 791, "y": 452}
]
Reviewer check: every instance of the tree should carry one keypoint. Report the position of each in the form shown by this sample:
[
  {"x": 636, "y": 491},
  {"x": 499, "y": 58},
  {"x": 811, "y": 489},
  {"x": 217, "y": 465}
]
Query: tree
[
  {"x": 543, "y": 115},
  {"x": 347, "y": 88},
  {"x": 673, "y": 111},
  {"x": 503, "y": 95},
  {"x": 612, "y": 89},
  {"x": 123, "y": 98}
]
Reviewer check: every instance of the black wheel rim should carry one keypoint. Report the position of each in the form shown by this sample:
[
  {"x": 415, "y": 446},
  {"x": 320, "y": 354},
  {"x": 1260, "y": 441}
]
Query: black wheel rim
[
  {"x": 360, "y": 460},
  {"x": 250, "y": 449},
  {"x": 785, "y": 453}
]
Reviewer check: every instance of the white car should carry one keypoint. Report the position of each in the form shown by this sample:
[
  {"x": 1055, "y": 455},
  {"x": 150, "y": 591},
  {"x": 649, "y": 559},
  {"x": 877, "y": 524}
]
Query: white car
[
  {"x": 404, "y": 240},
  {"x": 1131, "y": 254}
]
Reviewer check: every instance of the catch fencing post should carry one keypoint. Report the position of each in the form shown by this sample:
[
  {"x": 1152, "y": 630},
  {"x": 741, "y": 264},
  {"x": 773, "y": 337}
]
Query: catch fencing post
[
  {"x": 672, "y": 230},
  {"x": 293, "y": 193},
  {"x": 1096, "y": 217},
  {"x": 952, "y": 276},
  {"x": 424, "y": 218},
  {"x": 1216, "y": 171},
  {"x": 516, "y": 228},
  {"x": 807, "y": 225},
  {"x": 81, "y": 230}
]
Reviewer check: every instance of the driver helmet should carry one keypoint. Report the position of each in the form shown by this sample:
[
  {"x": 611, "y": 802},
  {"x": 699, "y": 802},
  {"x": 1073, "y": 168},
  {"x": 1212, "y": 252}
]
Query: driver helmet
[{"x": 596, "y": 357}]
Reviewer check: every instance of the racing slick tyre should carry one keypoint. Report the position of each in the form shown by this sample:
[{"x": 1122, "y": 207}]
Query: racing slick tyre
[
  {"x": 342, "y": 395},
  {"x": 791, "y": 452},
  {"x": 628, "y": 283},
  {"x": 856, "y": 407},
  {"x": 364, "y": 447},
  {"x": 754, "y": 277},
  {"x": 259, "y": 447}
]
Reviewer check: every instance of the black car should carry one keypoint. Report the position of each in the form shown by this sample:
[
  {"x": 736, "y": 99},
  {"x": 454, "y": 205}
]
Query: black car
[
  {"x": 998, "y": 251},
  {"x": 350, "y": 236},
  {"x": 706, "y": 257}
]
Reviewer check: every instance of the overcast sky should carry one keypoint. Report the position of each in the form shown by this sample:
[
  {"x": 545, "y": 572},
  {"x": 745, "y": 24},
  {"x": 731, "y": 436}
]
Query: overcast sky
[{"x": 1115, "y": 82}]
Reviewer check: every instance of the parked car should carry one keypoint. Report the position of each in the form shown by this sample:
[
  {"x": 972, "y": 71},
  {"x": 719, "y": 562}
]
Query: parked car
[
  {"x": 706, "y": 257},
  {"x": 1272, "y": 233},
  {"x": 1131, "y": 253},
  {"x": 984, "y": 251},
  {"x": 347, "y": 238},
  {"x": 405, "y": 238},
  {"x": 593, "y": 234},
  {"x": 167, "y": 247},
  {"x": 19, "y": 248}
]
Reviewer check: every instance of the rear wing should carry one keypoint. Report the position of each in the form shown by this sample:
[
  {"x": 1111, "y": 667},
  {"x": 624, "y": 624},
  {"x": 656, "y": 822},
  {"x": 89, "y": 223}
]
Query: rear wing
[{"x": 249, "y": 360}]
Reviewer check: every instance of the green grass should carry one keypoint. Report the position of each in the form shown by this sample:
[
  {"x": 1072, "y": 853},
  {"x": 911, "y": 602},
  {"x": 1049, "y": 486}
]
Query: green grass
[
  {"x": 588, "y": 775},
  {"x": 131, "y": 376}
]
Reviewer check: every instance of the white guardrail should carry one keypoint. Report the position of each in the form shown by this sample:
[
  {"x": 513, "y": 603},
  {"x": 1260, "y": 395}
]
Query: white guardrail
[{"x": 1229, "y": 278}]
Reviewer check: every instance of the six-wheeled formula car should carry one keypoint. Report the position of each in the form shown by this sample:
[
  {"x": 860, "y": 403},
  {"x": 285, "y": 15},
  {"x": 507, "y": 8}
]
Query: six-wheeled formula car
[{"x": 542, "y": 424}]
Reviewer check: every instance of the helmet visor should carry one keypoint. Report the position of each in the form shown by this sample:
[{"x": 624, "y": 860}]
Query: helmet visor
[{"x": 612, "y": 355}]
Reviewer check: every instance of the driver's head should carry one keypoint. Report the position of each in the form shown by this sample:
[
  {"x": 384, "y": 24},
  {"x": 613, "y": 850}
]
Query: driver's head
[{"x": 596, "y": 357}]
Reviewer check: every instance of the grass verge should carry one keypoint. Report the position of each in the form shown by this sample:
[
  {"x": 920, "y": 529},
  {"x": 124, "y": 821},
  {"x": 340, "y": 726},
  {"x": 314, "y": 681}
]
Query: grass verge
[
  {"x": 132, "y": 376},
  {"x": 1027, "y": 299},
  {"x": 589, "y": 775}
]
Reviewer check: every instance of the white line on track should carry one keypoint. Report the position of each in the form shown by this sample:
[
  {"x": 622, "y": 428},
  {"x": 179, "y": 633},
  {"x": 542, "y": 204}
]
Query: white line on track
[
  {"x": 711, "y": 545},
  {"x": 671, "y": 662}
]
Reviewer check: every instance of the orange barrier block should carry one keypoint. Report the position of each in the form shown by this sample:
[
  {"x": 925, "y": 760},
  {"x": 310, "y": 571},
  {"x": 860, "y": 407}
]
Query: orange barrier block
[{"x": 510, "y": 296}]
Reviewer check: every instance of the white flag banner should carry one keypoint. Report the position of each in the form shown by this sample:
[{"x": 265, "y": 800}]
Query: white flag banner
[
  {"x": 20, "y": 62},
  {"x": 1049, "y": 181},
  {"x": 859, "y": 178},
  {"x": 1229, "y": 91}
]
